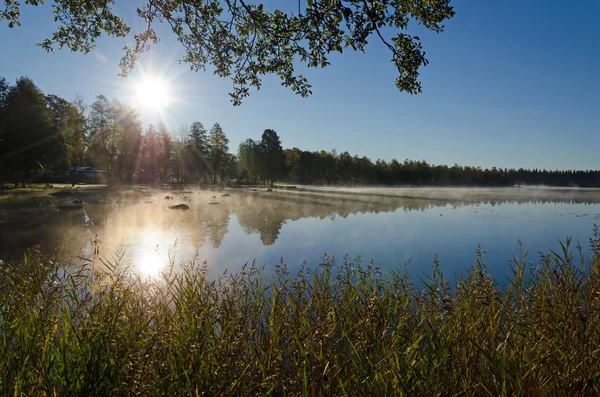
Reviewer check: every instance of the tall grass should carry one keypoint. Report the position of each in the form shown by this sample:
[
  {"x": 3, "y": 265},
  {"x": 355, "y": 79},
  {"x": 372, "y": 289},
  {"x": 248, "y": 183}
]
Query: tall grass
[{"x": 342, "y": 329}]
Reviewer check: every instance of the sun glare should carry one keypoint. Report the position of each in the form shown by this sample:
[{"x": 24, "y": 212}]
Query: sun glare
[
  {"x": 153, "y": 93},
  {"x": 150, "y": 264}
]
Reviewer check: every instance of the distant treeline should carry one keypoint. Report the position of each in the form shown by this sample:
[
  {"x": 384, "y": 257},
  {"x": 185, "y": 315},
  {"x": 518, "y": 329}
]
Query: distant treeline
[
  {"x": 331, "y": 168},
  {"x": 43, "y": 136}
]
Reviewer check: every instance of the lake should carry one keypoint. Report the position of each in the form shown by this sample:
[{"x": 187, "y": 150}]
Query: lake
[{"x": 230, "y": 227}]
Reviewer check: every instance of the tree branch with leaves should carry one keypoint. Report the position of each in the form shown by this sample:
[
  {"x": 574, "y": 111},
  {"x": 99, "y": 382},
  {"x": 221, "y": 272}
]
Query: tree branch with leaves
[{"x": 245, "y": 41}]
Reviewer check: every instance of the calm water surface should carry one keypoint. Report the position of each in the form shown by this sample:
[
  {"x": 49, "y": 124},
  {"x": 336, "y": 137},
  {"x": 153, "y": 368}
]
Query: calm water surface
[{"x": 388, "y": 226}]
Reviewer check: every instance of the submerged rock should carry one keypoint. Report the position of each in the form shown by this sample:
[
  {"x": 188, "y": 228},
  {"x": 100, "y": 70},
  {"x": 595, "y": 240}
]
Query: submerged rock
[
  {"x": 77, "y": 202},
  {"x": 226, "y": 195},
  {"x": 72, "y": 207},
  {"x": 179, "y": 207},
  {"x": 215, "y": 202},
  {"x": 97, "y": 202},
  {"x": 62, "y": 193},
  {"x": 168, "y": 198},
  {"x": 269, "y": 190}
]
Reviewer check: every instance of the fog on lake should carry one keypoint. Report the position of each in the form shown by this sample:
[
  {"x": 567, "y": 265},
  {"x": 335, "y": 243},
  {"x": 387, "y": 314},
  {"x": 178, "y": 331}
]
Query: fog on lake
[{"x": 230, "y": 227}]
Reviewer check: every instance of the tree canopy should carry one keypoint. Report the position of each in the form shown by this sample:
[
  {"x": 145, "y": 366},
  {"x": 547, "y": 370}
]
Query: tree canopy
[{"x": 245, "y": 40}]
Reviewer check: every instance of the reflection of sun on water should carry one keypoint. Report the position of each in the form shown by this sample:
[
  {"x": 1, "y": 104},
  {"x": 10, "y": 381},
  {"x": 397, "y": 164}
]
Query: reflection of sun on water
[
  {"x": 150, "y": 264},
  {"x": 149, "y": 260}
]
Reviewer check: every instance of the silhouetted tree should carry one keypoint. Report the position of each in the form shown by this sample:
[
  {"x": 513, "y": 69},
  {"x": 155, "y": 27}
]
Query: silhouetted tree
[
  {"x": 272, "y": 153},
  {"x": 150, "y": 158},
  {"x": 165, "y": 152},
  {"x": 129, "y": 145},
  {"x": 29, "y": 141}
]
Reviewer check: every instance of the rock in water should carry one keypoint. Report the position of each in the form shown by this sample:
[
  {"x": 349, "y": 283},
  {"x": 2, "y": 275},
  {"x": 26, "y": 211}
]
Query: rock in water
[
  {"x": 179, "y": 207},
  {"x": 226, "y": 195},
  {"x": 168, "y": 198},
  {"x": 269, "y": 190},
  {"x": 77, "y": 202}
]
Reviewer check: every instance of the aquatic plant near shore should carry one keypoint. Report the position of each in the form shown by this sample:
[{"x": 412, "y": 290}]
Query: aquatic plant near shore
[{"x": 335, "y": 329}]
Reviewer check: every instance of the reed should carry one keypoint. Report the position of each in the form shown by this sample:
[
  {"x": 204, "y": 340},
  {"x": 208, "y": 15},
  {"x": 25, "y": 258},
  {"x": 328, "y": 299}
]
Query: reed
[{"x": 336, "y": 329}]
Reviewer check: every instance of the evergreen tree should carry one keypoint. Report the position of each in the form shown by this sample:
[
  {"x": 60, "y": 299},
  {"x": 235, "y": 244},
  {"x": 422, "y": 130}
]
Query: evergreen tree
[
  {"x": 197, "y": 150},
  {"x": 217, "y": 149},
  {"x": 198, "y": 138}
]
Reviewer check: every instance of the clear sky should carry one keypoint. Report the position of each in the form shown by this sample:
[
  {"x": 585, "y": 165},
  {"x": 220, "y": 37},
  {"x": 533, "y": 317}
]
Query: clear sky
[{"x": 510, "y": 83}]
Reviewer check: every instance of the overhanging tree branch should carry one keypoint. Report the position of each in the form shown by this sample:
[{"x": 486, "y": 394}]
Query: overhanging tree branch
[{"x": 244, "y": 41}]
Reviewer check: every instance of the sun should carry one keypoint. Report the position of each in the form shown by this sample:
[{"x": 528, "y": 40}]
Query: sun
[{"x": 153, "y": 93}]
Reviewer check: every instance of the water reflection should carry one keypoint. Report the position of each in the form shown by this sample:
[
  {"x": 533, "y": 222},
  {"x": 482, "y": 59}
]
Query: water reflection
[{"x": 139, "y": 218}]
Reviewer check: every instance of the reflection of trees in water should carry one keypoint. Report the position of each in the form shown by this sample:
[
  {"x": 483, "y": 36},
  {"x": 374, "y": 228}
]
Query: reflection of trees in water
[
  {"x": 20, "y": 230},
  {"x": 264, "y": 223},
  {"x": 257, "y": 212},
  {"x": 215, "y": 226},
  {"x": 259, "y": 216},
  {"x": 266, "y": 214}
]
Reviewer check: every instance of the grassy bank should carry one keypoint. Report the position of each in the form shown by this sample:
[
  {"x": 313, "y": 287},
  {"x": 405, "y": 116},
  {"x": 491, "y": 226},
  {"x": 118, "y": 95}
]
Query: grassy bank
[{"x": 340, "y": 329}]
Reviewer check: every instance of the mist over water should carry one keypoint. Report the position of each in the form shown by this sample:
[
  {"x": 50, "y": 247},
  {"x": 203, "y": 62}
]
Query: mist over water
[{"x": 231, "y": 227}]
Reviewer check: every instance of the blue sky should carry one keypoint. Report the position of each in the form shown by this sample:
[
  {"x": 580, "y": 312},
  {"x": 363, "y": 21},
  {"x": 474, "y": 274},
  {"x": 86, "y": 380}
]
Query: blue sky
[{"x": 510, "y": 84}]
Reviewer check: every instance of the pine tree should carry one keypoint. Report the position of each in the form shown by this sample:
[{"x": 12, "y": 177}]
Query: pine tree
[
  {"x": 218, "y": 148},
  {"x": 197, "y": 151}
]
